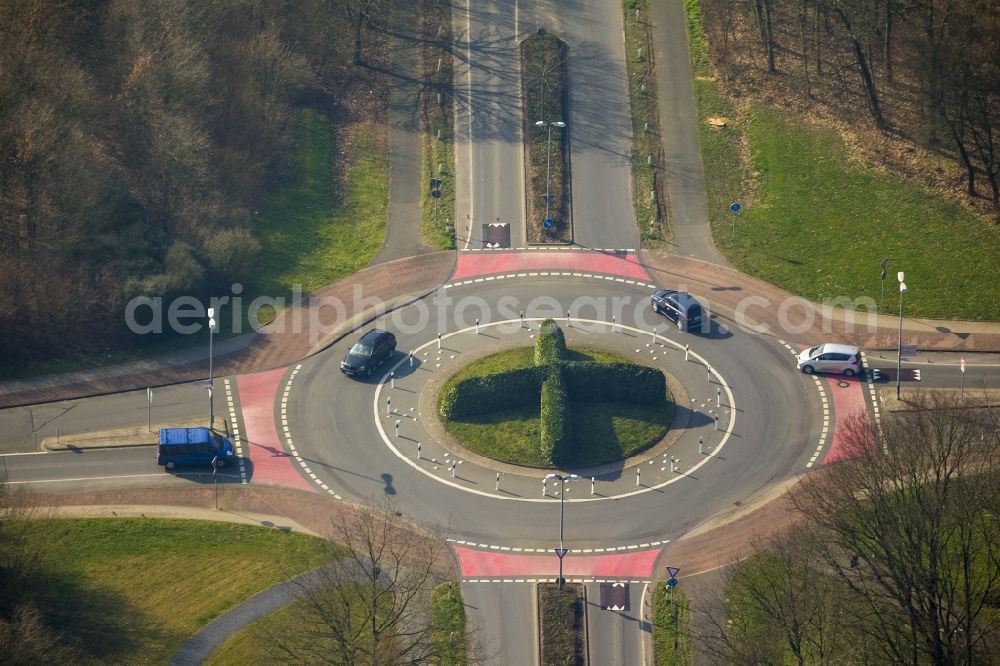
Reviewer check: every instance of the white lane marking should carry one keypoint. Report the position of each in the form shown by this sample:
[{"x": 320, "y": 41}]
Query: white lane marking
[
  {"x": 633, "y": 581},
  {"x": 826, "y": 412},
  {"x": 237, "y": 440},
  {"x": 870, "y": 376},
  {"x": 290, "y": 445},
  {"x": 377, "y": 402}
]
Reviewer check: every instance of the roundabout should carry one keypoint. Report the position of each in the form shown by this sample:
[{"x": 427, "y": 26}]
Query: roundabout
[{"x": 347, "y": 430}]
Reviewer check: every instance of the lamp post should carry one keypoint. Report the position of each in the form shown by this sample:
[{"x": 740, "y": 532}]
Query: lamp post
[
  {"x": 548, "y": 159},
  {"x": 211, "y": 334},
  {"x": 899, "y": 343},
  {"x": 562, "y": 498}
]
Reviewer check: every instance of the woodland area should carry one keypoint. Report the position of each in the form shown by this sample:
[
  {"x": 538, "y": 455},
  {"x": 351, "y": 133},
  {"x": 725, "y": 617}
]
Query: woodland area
[
  {"x": 895, "y": 558},
  {"x": 137, "y": 140},
  {"x": 924, "y": 73}
]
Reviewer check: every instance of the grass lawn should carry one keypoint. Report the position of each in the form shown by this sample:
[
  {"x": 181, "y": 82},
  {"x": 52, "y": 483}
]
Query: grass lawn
[
  {"x": 818, "y": 223},
  {"x": 448, "y": 622},
  {"x": 133, "y": 590},
  {"x": 645, "y": 124},
  {"x": 437, "y": 125},
  {"x": 561, "y": 620},
  {"x": 324, "y": 225},
  {"x": 603, "y": 432},
  {"x": 250, "y": 644},
  {"x": 670, "y": 627}
]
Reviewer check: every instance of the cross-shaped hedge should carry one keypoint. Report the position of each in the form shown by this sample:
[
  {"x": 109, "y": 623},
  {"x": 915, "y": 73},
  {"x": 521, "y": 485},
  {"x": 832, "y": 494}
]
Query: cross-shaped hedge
[{"x": 558, "y": 384}]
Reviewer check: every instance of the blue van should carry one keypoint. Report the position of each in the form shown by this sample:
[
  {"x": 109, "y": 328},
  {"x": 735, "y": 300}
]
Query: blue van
[{"x": 193, "y": 446}]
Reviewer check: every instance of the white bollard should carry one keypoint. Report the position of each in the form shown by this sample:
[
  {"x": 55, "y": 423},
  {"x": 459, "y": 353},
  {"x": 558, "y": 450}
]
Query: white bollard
[
  {"x": 522, "y": 318},
  {"x": 498, "y": 481},
  {"x": 708, "y": 373},
  {"x": 716, "y": 422},
  {"x": 388, "y": 406},
  {"x": 673, "y": 467},
  {"x": 411, "y": 358},
  {"x": 637, "y": 470},
  {"x": 545, "y": 485},
  {"x": 453, "y": 469},
  {"x": 439, "y": 342},
  {"x": 718, "y": 397},
  {"x": 591, "y": 485},
  {"x": 612, "y": 323},
  {"x": 567, "y": 317},
  {"x": 687, "y": 350},
  {"x": 397, "y": 427},
  {"x": 654, "y": 335},
  {"x": 701, "y": 445},
  {"x": 392, "y": 380},
  {"x": 477, "y": 325},
  {"x": 419, "y": 446}
]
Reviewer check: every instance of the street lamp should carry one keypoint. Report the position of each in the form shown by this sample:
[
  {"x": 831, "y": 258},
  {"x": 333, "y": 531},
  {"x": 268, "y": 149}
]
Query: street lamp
[
  {"x": 899, "y": 344},
  {"x": 548, "y": 159},
  {"x": 562, "y": 497},
  {"x": 211, "y": 334}
]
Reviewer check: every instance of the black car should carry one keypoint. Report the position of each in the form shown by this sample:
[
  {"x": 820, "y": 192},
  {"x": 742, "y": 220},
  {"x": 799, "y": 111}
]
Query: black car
[
  {"x": 679, "y": 307},
  {"x": 372, "y": 350}
]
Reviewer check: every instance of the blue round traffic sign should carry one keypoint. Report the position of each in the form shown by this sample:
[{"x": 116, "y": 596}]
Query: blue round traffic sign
[
  {"x": 734, "y": 207},
  {"x": 548, "y": 222},
  {"x": 671, "y": 582}
]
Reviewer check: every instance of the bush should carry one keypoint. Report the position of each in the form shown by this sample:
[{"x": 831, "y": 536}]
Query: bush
[
  {"x": 550, "y": 346},
  {"x": 615, "y": 382},
  {"x": 561, "y": 625},
  {"x": 502, "y": 390},
  {"x": 556, "y": 434}
]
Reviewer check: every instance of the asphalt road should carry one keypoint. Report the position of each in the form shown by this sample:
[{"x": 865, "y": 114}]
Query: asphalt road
[
  {"x": 488, "y": 146},
  {"x": 509, "y": 609},
  {"x": 616, "y": 634}
]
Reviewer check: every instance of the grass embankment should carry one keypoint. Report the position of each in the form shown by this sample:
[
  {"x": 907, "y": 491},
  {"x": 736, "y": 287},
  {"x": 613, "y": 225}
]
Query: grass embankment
[
  {"x": 817, "y": 222},
  {"x": 543, "y": 88},
  {"x": 448, "y": 625},
  {"x": 329, "y": 220},
  {"x": 254, "y": 643},
  {"x": 561, "y": 622},
  {"x": 648, "y": 192},
  {"x": 133, "y": 590},
  {"x": 602, "y": 431},
  {"x": 437, "y": 124},
  {"x": 671, "y": 635}
]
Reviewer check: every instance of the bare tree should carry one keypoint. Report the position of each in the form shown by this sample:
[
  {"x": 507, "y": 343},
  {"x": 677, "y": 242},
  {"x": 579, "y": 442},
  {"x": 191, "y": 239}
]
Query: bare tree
[
  {"x": 369, "y": 607},
  {"x": 909, "y": 525}
]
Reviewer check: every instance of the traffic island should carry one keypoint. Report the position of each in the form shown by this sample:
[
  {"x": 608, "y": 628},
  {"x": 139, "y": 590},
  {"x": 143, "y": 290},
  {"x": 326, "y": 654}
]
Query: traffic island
[
  {"x": 562, "y": 624},
  {"x": 551, "y": 406},
  {"x": 546, "y": 143}
]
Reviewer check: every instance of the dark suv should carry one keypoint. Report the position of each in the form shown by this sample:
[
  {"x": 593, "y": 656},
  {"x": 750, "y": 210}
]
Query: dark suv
[
  {"x": 679, "y": 307},
  {"x": 372, "y": 350}
]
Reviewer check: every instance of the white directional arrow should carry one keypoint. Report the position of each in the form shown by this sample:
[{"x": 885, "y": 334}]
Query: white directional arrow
[
  {"x": 916, "y": 375},
  {"x": 617, "y": 608},
  {"x": 617, "y": 584}
]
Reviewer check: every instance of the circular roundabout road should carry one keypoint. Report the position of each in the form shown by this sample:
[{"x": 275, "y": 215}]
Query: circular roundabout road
[{"x": 361, "y": 437}]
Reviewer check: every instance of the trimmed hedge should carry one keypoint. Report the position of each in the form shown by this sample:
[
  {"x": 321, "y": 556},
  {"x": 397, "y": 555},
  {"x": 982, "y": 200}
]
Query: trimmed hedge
[
  {"x": 550, "y": 345},
  {"x": 615, "y": 382},
  {"x": 556, "y": 434},
  {"x": 502, "y": 390}
]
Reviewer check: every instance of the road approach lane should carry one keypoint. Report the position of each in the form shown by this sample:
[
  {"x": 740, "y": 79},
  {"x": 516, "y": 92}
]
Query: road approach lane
[
  {"x": 600, "y": 128},
  {"x": 488, "y": 146}
]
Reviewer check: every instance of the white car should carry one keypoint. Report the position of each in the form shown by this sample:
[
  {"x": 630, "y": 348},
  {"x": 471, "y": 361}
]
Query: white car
[{"x": 844, "y": 359}]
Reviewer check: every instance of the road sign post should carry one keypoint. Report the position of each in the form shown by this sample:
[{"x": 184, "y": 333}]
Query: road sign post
[
  {"x": 215, "y": 480},
  {"x": 149, "y": 409},
  {"x": 962, "y": 367},
  {"x": 734, "y": 208}
]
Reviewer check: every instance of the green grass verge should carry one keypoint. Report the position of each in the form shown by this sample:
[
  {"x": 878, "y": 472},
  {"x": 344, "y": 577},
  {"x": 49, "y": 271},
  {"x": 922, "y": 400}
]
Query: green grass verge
[
  {"x": 448, "y": 625},
  {"x": 324, "y": 225},
  {"x": 438, "y": 128},
  {"x": 603, "y": 432},
  {"x": 671, "y": 630},
  {"x": 818, "y": 222},
  {"x": 561, "y": 624},
  {"x": 133, "y": 590},
  {"x": 649, "y": 210}
]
